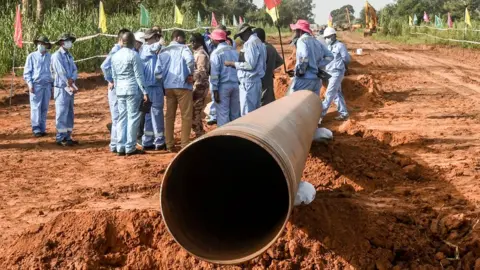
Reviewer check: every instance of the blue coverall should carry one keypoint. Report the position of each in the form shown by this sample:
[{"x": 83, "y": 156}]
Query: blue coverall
[
  {"x": 154, "y": 120},
  {"x": 38, "y": 76},
  {"x": 63, "y": 69},
  {"x": 311, "y": 57},
  {"x": 128, "y": 76},
  {"x": 250, "y": 74},
  {"x": 224, "y": 80},
  {"x": 112, "y": 96},
  {"x": 336, "y": 69}
]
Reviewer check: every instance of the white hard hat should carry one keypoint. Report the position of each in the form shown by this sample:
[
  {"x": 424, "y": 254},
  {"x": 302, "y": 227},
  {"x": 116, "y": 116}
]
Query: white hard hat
[
  {"x": 140, "y": 37},
  {"x": 329, "y": 31}
]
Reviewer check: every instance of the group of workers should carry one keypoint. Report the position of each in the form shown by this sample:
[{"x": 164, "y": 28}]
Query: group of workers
[{"x": 142, "y": 71}]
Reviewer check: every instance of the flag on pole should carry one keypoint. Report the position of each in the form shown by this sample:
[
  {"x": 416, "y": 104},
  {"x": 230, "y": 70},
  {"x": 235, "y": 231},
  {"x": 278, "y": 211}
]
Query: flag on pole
[
  {"x": 235, "y": 21},
  {"x": 144, "y": 16},
  {"x": 449, "y": 21},
  {"x": 330, "y": 20},
  {"x": 438, "y": 22},
  {"x": 240, "y": 19},
  {"x": 214, "y": 20},
  {"x": 415, "y": 19},
  {"x": 17, "y": 36},
  {"x": 467, "y": 18},
  {"x": 178, "y": 16},
  {"x": 425, "y": 17},
  {"x": 410, "y": 21},
  {"x": 102, "y": 20},
  {"x": 199, "y": 19},
  {"x": 223, "y": 20},
  {"x": 271, "y": 6}
]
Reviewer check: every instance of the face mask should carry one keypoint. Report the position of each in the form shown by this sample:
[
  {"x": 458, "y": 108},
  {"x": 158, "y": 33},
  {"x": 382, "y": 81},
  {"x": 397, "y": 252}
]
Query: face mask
[
  {"x": 329, "y": 41},
  {"x": 67, "y": 44},
  {"x": 41, "y": 48}
]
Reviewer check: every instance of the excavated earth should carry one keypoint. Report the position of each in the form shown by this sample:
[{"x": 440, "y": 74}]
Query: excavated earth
[{"x": 397, "y": 188}]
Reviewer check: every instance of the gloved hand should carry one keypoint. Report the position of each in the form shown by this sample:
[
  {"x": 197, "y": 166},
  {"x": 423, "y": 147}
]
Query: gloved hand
[{"x": 216, "y": 96}]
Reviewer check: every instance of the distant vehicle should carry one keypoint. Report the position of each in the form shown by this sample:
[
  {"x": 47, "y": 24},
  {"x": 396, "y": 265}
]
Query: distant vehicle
[{"x": 371, "y": 20}]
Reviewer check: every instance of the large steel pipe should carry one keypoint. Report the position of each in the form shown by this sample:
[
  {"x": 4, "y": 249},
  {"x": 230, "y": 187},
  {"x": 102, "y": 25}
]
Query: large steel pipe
[{"x": 227, "y": 196}]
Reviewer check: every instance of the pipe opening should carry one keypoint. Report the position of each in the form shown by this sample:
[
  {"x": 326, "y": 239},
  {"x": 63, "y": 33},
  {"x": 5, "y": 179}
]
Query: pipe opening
[{"x": 224, "y": 198}]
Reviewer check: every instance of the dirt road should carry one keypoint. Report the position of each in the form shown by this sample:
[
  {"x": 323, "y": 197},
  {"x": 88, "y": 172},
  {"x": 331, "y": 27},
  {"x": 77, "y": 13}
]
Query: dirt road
[{"x": 398, "y": 188}]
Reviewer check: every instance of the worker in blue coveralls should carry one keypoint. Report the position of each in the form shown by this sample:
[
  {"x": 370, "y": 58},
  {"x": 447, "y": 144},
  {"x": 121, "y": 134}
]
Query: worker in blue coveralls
[
  {"x": 112, "y": 96},
  {"x": 212, "y": 117},
  {"x": 153, "y": 136},
  {"x": 336, "y": 69},
  {"x": 65, "y": 74},
  {"x": 129, "y": 80},
  {"x": 38, "y": 76},
  {"x": 251, "y": 68},
  {"x": 311, "y": 58},
  {"x": 223, "y": 79}
]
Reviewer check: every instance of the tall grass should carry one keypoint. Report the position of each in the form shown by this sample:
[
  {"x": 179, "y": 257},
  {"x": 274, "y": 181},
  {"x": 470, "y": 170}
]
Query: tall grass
[
  {"x": 399, "y": 30},
  {"x": 81, "y": 23}
]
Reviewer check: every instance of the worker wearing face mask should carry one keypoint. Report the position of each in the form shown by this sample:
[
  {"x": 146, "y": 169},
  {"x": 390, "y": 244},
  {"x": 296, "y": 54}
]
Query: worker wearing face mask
[
  {"x": 153, "y": 136},
  {"x": 336, "y": 69},
  {"x": 112, "y": 97},
  {"x": 38, "y": 77},
  {"x": 65, "y": 74},
  {"x": 251, "y": 68},
  {"x": 311, "y": 59}
]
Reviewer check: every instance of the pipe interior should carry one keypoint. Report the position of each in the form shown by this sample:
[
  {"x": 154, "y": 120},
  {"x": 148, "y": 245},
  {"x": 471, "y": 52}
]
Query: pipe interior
[{"x": 225, "y": 198}]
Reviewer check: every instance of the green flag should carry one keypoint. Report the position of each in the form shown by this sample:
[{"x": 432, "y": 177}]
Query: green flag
[
  {"x": 438, "y": 22},
  {"x": 144, "y": 16}
]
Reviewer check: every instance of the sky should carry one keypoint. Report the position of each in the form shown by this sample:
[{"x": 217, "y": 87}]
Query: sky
[{"x": 323, "y": 7}]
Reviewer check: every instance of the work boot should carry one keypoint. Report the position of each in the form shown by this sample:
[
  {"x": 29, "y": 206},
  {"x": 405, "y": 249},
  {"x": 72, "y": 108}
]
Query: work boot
[
  {"x": 135, "y": 152},
  {"x": 162, "y": 147},
  {"x": 61, "y": 143},
  {"x": 151, "y": 147},
  {"x": 120, "y": 154},
  {"x": 109, "y": 127},
  {"x": 37, "y": 134}
]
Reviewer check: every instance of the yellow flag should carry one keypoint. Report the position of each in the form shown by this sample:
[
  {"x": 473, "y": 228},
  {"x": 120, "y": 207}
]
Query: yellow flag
[
  {"x": 178, "y": 16},
  {"x": 102, "y": 20},
  {"x": 467, "y": 18},
  {"x": 410, "y": 21},
  {"x": 273, "y": 13}
]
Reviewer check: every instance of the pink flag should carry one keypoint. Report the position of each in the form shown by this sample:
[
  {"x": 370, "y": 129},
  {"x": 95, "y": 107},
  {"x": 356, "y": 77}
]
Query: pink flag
[
  {"x": 330, "y": 18},
  {"x": 240, "y": 19},
  {"x": 450, "y": 22},
  {"x": 425, "y": 17},
  {"x": 17, "y": 36},
  {"x": 214, "y": 20}
]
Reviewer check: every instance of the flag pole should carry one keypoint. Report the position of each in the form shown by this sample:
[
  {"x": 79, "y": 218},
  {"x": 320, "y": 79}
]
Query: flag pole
[
  {"x": 281, "y": 41},
  {"x": 13, "y": 74}
]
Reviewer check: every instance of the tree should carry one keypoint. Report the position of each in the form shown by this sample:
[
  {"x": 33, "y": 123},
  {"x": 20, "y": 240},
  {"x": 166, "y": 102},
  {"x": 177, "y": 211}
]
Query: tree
[{"x": 340, "y": 15}]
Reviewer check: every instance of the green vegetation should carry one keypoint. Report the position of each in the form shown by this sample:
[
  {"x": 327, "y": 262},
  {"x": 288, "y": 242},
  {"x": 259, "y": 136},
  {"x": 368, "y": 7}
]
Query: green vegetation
[
  {"x": 394, "y": 22},
  {"x": 53, "y": 17}
]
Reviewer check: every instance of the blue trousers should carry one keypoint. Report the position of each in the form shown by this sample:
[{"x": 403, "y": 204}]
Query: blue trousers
[
  {"x": 154, "y": 129},
  {"x": 128, "y": 121},
  {"x": 212, "y": 116},
  {"x": 334, "y": 93},
  {"x": 113, "y": 104},
  {"x": 250, "y": 96},
  {"x": 313, "y": 85},
  {"x": 229, "y": 107},
  {"x": 39, "y": 100},
  {"x": 64, "y": 114}
]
